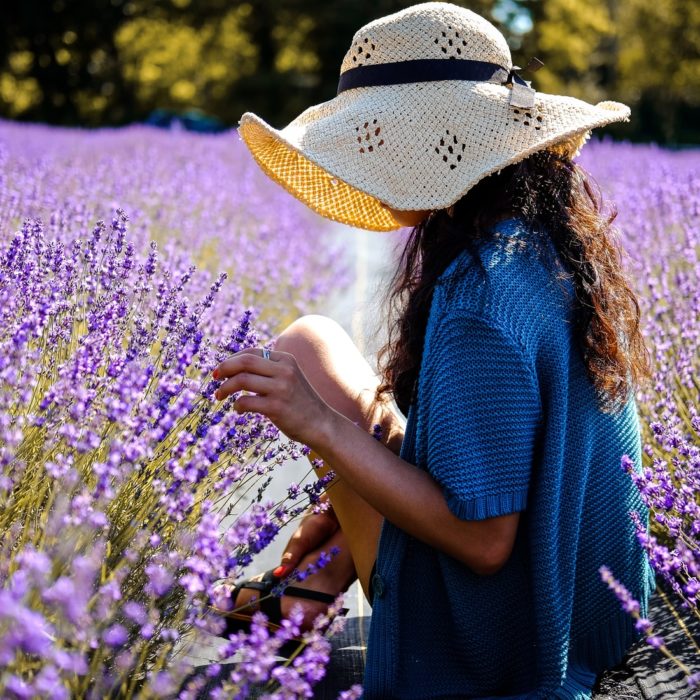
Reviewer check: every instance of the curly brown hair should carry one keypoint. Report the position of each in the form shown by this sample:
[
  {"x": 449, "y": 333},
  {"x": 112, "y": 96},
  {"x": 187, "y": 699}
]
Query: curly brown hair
[{"x": 551, "y": 193}]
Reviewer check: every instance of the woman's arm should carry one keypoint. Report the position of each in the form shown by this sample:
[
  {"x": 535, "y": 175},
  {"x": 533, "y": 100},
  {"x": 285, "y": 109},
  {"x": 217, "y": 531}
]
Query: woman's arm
[
  {"x": 410, "y": 498},
  {"x": 401, "y": 492}
]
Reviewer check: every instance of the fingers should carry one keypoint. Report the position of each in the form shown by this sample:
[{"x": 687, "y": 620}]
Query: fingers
[
  {"x": 251, "y": 404},
  {"x": 251, "y": 360},
  {"x": 282, "y": 392},
  {"x": 245, "y": 381},
  {"x": 249, "y": 371},
  {"x": 313, "y": 531}
]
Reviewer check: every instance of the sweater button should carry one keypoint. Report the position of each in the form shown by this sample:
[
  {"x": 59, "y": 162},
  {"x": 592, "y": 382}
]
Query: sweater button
[{"x": 377, "y": 585}]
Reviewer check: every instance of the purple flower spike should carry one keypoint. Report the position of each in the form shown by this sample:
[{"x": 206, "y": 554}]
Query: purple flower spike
[
  {"x": 115, "y": 636},
  {"x": 628, "y": 603},
  {"x": 352, "y": 693},
  {"x": 120, "y": 475}
]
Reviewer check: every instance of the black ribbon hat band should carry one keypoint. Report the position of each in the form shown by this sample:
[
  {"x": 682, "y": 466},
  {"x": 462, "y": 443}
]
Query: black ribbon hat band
[{"x": 432, "y": 69}]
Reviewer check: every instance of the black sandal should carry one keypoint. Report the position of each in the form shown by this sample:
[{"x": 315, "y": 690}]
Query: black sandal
[{"x": 270, "y": 605}]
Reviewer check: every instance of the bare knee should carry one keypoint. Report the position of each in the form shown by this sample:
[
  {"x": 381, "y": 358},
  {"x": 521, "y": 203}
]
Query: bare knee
[
  {"x": 309, "y": 326},
  {"x": 331, "y": 362},
  {"x": 309, "y": 335}
]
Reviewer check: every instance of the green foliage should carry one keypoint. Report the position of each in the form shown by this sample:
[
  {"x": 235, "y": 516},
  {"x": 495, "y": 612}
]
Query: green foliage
[
  {"x": 659, "y": 65},
  {"x": 114, "y": 61},
  {"x": 172, "y": 64},
  {"x": 641, "y": 52},
  {"x": 574, "y": 45}
]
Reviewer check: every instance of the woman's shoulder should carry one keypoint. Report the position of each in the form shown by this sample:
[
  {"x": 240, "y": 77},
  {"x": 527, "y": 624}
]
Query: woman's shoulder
[
  {"x": 507, "y": 244},
  {"x": 512, "y": 277}
]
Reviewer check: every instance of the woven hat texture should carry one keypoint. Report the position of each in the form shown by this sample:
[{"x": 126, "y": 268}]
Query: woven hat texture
[{"x": 417, "y": 145}]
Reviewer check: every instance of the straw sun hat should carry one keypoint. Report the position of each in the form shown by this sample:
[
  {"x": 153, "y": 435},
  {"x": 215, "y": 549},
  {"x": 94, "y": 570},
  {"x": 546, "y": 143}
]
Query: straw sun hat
[{"x": 428, "y": 104}]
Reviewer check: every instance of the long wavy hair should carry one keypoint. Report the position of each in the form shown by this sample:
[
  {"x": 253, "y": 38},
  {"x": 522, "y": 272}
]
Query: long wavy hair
[{"x": 551, "y": 193}]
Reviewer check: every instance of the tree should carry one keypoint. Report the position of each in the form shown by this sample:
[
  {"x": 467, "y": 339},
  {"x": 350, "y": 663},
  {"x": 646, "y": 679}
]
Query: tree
[
  {"x": 114, "y": 61},
  {"x": 659, "y": 66},
  {"x": 646, "y": 54},
  {"x": 58, "y": 59}
]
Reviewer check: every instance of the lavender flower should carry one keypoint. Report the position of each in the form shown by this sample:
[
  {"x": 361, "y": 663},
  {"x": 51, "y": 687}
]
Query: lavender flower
[
  {"x": 657, "y": 194},
  {"x": 118, "y": 473}
]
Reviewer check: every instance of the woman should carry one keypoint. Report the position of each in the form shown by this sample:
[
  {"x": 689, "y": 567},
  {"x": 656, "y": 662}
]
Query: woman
[{"x": 514, "y": 350}]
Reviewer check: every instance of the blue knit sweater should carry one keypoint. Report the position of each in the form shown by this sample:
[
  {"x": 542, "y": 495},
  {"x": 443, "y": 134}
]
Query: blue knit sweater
[{"x": 505, "y": 420}]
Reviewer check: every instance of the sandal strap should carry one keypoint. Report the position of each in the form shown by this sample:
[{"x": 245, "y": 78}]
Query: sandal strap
[
  {"x": 268, "y": 604},
  {"x": 271, "y": 606},
  {"x": 269, "y": 581},
  {"x": 309, "y": 594},
  {"x": 265, "y": 584},
  {"x": 255, "y": 585}
]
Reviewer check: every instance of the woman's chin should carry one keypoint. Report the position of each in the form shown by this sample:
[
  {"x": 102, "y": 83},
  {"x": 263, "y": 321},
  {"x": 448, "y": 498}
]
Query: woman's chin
[{"x": 407, "y": 217}]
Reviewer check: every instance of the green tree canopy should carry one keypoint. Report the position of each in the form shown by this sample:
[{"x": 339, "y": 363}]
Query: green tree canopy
[
  {"x": 94, "y": 62},
  {"x": 645, "y": 53}
]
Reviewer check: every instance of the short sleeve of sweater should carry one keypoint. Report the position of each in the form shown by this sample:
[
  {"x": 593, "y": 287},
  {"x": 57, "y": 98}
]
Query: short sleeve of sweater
[{"x": 483, "y": 412}]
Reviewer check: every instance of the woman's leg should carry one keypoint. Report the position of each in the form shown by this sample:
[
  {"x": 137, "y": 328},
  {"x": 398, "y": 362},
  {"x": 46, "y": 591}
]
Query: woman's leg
[
  {"x": 345, "y": 380},
  {"x": 338, "y": 371}
]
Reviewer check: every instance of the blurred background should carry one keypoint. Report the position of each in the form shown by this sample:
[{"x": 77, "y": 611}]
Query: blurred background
[{"x": 202, "y": 63}]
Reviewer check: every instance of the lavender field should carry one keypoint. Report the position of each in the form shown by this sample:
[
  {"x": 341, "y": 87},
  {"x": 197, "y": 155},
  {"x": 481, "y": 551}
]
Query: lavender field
[{"x": 131, "y": 262}]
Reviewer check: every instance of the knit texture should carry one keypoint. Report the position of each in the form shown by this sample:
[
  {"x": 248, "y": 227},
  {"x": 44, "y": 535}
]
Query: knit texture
[{"x": 505, "y": 420}]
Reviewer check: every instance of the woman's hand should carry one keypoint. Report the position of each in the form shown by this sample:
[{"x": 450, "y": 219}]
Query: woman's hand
[{"x": 281, "y": 392}]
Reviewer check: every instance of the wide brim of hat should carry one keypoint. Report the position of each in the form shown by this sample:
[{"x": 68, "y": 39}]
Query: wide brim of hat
[{"x": 414, "y": 146}]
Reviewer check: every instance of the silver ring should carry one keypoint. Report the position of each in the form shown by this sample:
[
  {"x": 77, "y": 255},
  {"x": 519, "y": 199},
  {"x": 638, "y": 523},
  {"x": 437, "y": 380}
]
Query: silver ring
[{"x": 266, "y": 354}]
